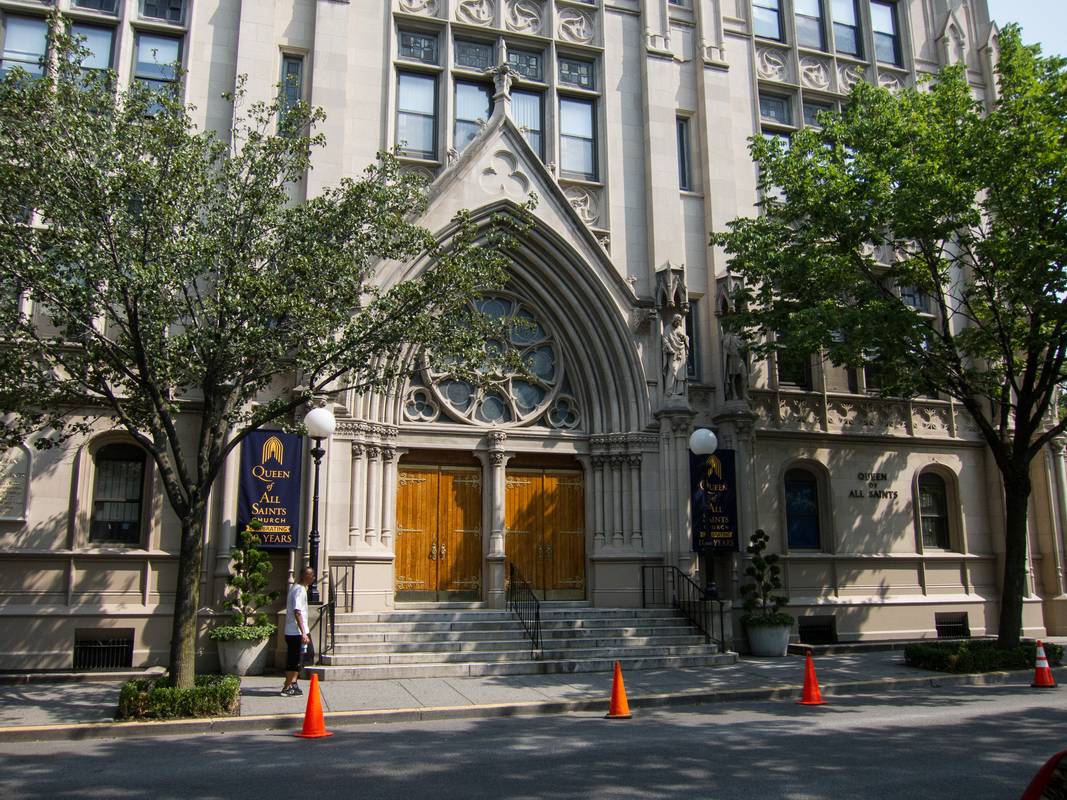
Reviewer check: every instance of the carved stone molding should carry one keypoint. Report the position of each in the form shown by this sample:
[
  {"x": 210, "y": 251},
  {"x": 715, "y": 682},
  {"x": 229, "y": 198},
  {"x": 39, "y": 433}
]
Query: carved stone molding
[
  {"x": 585, "y": 202},
  {"x": 931, "y": 419},
  {"x": 869, "y": 416},
  {"x": 848, "y": 75},
  {"x": 771, "y": 64},
  {"x": 799, "y": 412},
  {"x": 422, "y": 172},
  {"x": 497, "y": 458},
  {"x": 476, "y": 12},
  {"x": 890, "y": 81},
  {"x": 374, "y": 453},
  {"x": 497, "y": 438},
  {"x": 575, "y": 26},
  {"x": 524, "y": 16},
  {"x": 814, "y": 72}
]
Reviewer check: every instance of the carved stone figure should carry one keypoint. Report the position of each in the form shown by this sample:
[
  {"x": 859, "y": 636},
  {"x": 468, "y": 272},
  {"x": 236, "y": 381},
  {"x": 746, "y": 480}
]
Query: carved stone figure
[
  {"x": 675, "y": 357},
  {"x": 735, "y": 367}
]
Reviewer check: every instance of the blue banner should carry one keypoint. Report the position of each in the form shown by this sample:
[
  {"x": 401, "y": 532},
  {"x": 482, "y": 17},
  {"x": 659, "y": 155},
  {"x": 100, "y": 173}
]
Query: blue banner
[
  {"x": 713, "y": 493},
  {"x": 270, "y": 487}
]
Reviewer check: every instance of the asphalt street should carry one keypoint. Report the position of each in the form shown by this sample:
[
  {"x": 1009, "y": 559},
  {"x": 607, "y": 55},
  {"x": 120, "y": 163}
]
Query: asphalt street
[{"x": 967, "y": 742}]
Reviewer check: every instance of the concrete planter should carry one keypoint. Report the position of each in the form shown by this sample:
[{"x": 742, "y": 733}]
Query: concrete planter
[
  {"x": 768, "y": 640},
  {"x": 243, "y": 656}
]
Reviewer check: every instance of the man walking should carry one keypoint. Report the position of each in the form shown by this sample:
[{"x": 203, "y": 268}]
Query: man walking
[{"x": 296, "y": 631}]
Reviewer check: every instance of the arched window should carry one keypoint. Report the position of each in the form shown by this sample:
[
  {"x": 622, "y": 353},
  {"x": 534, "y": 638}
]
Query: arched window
[
  {"x": 118, "y": 494},
  {"x": 802, "y": 510},
  {"x": 933, "y": 511}
]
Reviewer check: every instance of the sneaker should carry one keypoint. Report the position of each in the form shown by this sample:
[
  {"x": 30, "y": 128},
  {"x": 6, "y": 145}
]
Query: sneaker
[
  {"x": 294, "y": 691},
  {"x": 284, "y": 691}
]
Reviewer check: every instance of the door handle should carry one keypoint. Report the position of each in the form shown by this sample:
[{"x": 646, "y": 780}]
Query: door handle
[
  {"x": 442, "y": 552},
  {"x": 433, "y": 552}
]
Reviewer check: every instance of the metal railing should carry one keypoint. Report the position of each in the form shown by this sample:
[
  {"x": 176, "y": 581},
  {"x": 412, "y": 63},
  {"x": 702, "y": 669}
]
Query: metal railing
[
  {"x": 343, "y": 584},
  {"x": 327, "y": 625},
  {"x": 523, "y": 603},
  {"x": 669, "y": 586}
]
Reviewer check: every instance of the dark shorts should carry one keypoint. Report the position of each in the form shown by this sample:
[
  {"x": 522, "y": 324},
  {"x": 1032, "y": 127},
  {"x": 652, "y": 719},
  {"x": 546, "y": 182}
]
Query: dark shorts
[{"x": 292, "y": 653}]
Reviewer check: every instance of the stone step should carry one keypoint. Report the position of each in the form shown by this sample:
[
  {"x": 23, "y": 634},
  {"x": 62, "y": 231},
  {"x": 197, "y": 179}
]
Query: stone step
[
  {"x": 465, "y": 625},
  {"x": 360, "y": 635},
  {"x": 499, "y": 656},
  {"x": 527, "y": 667},
  {"x": 510, "y": 643},
  {"x": 547, "y": 615}
]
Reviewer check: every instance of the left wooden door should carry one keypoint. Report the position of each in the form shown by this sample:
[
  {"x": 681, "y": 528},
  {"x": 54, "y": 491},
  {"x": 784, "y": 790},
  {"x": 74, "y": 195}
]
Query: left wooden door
[{"x": 439, "y": 533}]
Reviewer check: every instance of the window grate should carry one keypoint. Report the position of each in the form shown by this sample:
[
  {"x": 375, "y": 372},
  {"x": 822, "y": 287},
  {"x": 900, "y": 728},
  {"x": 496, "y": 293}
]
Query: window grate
[
  {"x": 952, "y": 625},
  {"x": 103, "y": 654}
]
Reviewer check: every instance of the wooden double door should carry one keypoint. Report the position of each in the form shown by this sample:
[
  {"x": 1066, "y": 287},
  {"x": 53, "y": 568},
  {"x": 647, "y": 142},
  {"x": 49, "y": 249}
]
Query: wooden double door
[
  {"x": 438, "y": 533},
  {"x": 545, "y": 536}
]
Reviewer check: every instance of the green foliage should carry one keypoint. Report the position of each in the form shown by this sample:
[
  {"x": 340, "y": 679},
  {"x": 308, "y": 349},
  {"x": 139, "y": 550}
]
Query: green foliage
[
  {"x": 211, "y": 696},
  {"x": 183, "y": 291},
  {"x": 233, "y": 633},
  {"x": 763, "y": 599},
  {"x": 250, "y": 570},
  {"x": 977, "y": 655},
  {"x": 924, "y": 235}
]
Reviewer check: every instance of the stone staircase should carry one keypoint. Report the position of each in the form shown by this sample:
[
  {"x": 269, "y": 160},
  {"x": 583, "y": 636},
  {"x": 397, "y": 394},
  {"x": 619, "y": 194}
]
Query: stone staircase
[{"x": 424, "y": 641}]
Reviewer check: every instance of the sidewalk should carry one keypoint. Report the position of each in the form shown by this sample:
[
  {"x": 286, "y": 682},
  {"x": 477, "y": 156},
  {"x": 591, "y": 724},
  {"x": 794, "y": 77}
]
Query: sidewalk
[{"x": 84, "y": 709}]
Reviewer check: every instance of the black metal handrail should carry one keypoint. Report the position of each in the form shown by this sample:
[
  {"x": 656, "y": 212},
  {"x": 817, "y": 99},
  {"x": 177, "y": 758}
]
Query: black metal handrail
[
  {"x": 327, "y": 626},
  {"x": 523, "y": 603},
  {"x": 343, "y": 584},
  {"x": 669, "y": 586}
]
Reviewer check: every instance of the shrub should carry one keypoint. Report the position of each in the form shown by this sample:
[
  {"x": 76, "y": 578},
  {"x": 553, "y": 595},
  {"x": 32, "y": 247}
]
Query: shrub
[
  {"x": 977, "y": 655},
  {"x": 763, "y": 599},
  {"x": 247, "y": 595},
  {"x": 155, "y": 698}
]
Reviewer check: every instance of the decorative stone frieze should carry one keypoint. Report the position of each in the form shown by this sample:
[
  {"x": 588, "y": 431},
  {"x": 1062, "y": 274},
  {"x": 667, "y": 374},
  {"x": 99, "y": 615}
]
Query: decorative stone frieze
[
  {"x": 848, "y": 75},
  {"x": 930, "y": 418},
  {"x": 815, "y": 72},
  {"x": 890, "y": 81},
  {"x": 575, "y": 26},
  {"x": 524, "y": 16},
  {"x": 475, "y": 12},
  {"x": 427, "y": 7},
  {"x": 771, "y": 64},
  {"x": 584, "y": 201}
]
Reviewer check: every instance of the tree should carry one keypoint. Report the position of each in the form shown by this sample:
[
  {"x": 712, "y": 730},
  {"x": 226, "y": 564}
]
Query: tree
[
  {"x": 924, "y": 235},
  {"x": 190, "y": 300}
]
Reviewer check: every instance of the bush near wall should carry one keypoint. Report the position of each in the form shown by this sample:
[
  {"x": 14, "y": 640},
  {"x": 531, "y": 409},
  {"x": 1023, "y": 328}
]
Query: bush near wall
[
  {"x": 155, "y": 698},
  {"x": 977, "y": 655}
]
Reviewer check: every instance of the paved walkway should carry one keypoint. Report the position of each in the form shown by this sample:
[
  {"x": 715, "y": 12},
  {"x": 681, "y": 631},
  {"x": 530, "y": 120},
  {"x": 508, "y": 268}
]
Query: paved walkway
[{"x": 86, "y": 708}]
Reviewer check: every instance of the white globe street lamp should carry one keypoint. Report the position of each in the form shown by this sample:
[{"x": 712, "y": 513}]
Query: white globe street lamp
[
  {"x": 320, "y": 424},
  {"x": 703, "y": 442}
]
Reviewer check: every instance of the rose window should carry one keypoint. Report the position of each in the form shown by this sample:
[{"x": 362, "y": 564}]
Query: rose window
[{"x": 508, "y": 398}]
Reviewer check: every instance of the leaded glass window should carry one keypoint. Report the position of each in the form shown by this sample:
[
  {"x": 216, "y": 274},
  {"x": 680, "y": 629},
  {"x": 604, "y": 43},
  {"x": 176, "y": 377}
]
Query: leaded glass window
[
  {"x": 802, "y": 510},
  {"x": 476, "y": 55},
  {"x": 421, "y": 47},
  {"x": 118, "y": 491},
  {"x": 529, "y": 65},
  {"x": 167, "y": 10},
  {"x": 575, "y": 72},
  {"x": 107, "y": 6},
  {"x": 775, "y": 109},
  {"x": 933, "y": 511}
]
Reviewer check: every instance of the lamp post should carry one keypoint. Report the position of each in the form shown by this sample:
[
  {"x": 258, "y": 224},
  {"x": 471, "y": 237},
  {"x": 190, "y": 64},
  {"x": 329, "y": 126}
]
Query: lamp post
[
  {"x": 704, "y": 442},
  {"x": 320, "y": 424}
]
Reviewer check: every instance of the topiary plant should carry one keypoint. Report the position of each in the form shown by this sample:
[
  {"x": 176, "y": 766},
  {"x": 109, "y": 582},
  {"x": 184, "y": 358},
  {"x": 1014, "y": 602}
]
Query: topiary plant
[
  {"x": 763, "y": 599},
  {"x": 246, "y": 599}
]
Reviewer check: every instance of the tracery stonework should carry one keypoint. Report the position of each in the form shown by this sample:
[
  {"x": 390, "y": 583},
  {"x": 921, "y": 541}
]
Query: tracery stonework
[
  {"x": 814, "y": 72},
  {"x": 428, "y": 7},
  {"x": 524, "y": 16},
  {"x": 477, "y": 12},
  {"x": 575, "y": 26},
  {"x": 770, "y": 63},
  {"x": 584, "y": 201}
]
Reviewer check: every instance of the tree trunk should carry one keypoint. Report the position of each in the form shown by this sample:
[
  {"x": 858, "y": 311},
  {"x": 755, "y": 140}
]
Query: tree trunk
[
  {"x": 187, "y": 599},
  {"x": 1016, "y": 502}
]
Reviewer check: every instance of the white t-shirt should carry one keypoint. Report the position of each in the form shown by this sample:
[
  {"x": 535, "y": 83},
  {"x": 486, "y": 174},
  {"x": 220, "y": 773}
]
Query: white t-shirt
[{"x": 296, "y": 601}]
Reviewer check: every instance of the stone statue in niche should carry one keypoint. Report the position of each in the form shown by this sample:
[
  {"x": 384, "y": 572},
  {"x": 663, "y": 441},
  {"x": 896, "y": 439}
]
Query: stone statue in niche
[
  {"x": 675, "y": 358},
  {"x": 735, "y": 367}
]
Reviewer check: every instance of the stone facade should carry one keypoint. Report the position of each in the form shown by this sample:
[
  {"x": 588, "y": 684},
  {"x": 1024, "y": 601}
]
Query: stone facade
[{"x": 629, "y": 120}]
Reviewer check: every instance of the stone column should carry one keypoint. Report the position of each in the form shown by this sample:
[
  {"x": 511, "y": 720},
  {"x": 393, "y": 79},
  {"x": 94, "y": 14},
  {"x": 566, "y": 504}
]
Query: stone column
[
  {"x": 388, "y": 504},
  {"x": 598, "y": 501},
  {"x": 358, "y": 495},
  {"x": 1056, "y": 448},
  {"x": 617, "y": 536},
  {"x": 636, "y": 536},
  {"x": 494, "y": 468},
  {"x": 374, "y": 495},
  {"x": 227, "y": 528}
]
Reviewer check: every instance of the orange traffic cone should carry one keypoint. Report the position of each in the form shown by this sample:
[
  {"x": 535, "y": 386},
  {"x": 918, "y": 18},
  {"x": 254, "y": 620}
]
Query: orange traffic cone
[
  {"x": 314, "y": 725},
  {"x": 620, "y": 709},
  {"x": 812, "y": 695},
  {"x": 1042, "y": 674}
]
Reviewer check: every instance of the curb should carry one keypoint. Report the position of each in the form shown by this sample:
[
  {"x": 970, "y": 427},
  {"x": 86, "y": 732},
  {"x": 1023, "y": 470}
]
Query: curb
[{"x": 292, "y": 722}]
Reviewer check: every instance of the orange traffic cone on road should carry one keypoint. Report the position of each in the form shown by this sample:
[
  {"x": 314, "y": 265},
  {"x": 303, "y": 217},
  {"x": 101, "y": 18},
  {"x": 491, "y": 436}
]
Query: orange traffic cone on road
[
  {"x": 314, "y": 724},
  {"x": 812, "y": 695},
  {"x": 620, "y": 709},
  {"x": 1042, "y": 674}
]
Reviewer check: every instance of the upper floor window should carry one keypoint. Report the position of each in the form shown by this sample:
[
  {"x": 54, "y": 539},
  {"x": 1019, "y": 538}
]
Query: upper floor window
[
  {"x": 916, "y": 298},
  {"x": 808, "y": 19},
  {"x": 794, "y": 364},
  {"x": 107, "y": 6},
  {"x": 474, "y": 104},
  {"x": 292, "y": 80},
  {"x": 846, "y": 28},
  {"x": 886, "y": 36},
  {"x": 157, "y": 57},
  {"x": 527, "y": 109},
  {"x": 933, "y": 511},
  {"x": 98, "y": 41},
  {"x": 527, "y": 63},
  {"x": 575, "y": 72},
  {"x": 420, "y": 47},
  {"x": 475, "y": 55},
  {"x": 168, "y": 10},
  {"x": 685, "y": 167},
  {"x": 118, "y": 494},
  {"x": 767, "y": 19},
  {"x": 692, "y": 360},
  {"x": 416, "y": 114},
  {"x": 577, "y": 138},
  {"x": 775, "y": 108},
  {"x": 812, "y": 111},
  {"x": 25, "y": 44},
  {"x": 802, "y": 510}
]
